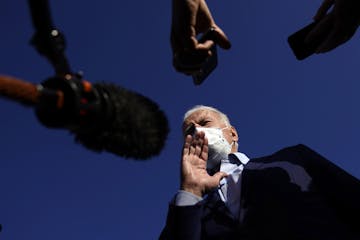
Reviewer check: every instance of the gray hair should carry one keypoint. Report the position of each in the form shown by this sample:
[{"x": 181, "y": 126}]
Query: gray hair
[{"x": 203, "y": 107}]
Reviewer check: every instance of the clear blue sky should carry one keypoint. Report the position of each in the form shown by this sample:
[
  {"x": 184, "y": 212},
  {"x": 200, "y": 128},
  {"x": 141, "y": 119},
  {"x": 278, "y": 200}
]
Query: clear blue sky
[{"x": 52, "y": 188}]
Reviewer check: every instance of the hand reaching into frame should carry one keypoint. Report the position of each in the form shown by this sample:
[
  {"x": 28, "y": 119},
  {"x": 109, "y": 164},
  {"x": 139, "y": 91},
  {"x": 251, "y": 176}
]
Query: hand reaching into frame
[
  {"x": 194, "y": 177},
  {"x": 338, "y": 20},
  {"x": 189, "y": 19}
]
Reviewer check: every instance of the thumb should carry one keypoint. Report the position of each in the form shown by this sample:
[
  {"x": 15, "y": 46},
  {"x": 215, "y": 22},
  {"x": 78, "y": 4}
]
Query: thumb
[
  {"x": 214, "y": 180},
  {"x": 323, "y": 9},
  {"x": 219, "y": 175}
]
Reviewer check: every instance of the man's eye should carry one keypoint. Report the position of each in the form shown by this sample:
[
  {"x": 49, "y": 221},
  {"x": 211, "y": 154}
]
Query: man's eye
[{"x": 204, "y": 123}]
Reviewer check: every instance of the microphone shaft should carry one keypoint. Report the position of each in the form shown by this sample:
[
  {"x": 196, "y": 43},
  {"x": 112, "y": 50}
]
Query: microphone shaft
[
  {"x": 20, "y": 91},
  {"x": 24, "y": 92}
]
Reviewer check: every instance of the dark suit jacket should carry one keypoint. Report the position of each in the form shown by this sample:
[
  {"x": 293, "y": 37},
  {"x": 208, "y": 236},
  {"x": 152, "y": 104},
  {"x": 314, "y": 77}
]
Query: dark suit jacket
[{"x": 292, "y": 194}]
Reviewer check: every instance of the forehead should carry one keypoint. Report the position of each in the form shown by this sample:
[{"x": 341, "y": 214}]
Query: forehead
[{"x": 201, "y": 115}]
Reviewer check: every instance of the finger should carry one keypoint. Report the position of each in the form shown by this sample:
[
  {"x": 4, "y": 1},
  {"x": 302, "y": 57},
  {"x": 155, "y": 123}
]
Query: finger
[
  {"x": 204, "y": 149},
  {"x": 205, "y": 46},
  {"x": 323, "y": 9},
  {"x": 187, "y": 144},
  {"x": 320, "y": 31},
  {"x": 340, "y": 33},
  {"x": 221, "y": 39},
  {"x": 204, "y": 19},
  {"x": 199, "y": 143},
  {"x": 193, "y": 146},
  {"x": 334, "y": 40},
  {"x": 201, "y": 134},
  {"x": 182, "y": 42}
]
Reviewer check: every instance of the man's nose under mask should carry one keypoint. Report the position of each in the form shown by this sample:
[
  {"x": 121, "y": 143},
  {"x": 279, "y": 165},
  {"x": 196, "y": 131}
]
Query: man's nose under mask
[{"x": 219, "y": 147}]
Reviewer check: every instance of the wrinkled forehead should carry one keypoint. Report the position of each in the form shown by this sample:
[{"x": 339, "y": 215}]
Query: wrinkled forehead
[{"x": 199, "y": 117}]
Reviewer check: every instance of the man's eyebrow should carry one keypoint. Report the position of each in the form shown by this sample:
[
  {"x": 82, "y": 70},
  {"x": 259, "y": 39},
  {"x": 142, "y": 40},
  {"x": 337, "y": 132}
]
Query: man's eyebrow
[{"x": 206, "y": 119}]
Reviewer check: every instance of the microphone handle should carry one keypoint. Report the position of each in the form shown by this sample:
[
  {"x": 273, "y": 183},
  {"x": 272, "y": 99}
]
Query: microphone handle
[
  {"x": 26, "y": 93},
  {"x": 40, "y": 14}
]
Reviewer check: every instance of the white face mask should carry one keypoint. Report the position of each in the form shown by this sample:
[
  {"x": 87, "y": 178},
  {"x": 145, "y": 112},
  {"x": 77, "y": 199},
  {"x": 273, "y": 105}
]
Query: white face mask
[{"x": 219, "y": 147}]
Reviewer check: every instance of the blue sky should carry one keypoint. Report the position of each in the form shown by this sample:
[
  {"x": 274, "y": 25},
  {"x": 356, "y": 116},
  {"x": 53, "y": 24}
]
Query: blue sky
[{"x": 55, "y": 189}]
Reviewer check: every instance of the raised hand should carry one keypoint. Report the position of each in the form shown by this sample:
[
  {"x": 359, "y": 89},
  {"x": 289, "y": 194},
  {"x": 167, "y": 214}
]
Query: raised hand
[{"x": 194, "y": 177}]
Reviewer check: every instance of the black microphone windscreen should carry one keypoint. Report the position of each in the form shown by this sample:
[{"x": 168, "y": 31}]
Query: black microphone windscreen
[{"x": 138, "y": 128}]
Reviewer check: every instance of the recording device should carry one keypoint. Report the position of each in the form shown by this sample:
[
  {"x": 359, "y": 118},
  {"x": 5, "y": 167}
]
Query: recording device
[
  {"x": 198, "y": 65},
  {"x": 297, "y": 43},
  {"x": 206, "y": 68},
  {"x": 102, "y": 117}
]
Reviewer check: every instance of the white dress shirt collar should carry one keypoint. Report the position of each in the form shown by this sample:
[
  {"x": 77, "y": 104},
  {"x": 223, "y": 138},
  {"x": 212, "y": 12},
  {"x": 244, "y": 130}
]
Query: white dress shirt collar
[
  {"x": 241, "y": 157},
  {"x": 233, "y": 162}
]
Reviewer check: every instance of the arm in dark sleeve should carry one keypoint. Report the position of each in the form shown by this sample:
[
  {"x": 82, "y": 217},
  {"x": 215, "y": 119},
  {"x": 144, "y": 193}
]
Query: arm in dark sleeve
[{"x": 183, "y": 223}]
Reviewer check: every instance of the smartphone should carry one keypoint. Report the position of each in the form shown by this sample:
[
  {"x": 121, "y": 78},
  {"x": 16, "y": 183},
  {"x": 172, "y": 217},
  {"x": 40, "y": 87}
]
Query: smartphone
[
  {"x": 198, "y": 65},
  {"x": 210, "y": 63},
  {"x": 207, "y": 67},
  {"x": 297, "y": 43}
]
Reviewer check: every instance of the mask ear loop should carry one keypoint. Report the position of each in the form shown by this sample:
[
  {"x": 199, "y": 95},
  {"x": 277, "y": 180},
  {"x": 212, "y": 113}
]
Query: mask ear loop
[{"x": 233, "y": 142}]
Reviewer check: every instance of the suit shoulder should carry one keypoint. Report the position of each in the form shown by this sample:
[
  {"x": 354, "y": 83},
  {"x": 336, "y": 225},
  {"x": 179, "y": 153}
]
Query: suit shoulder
[{"x": 295, "y": 154}]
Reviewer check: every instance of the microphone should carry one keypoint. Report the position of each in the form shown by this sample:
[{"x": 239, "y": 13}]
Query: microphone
[{"x": 102, "y": 116}]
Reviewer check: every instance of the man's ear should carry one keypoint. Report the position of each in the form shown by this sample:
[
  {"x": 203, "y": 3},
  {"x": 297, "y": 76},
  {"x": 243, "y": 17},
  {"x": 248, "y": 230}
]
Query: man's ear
[{"x": 234, "y": 134}]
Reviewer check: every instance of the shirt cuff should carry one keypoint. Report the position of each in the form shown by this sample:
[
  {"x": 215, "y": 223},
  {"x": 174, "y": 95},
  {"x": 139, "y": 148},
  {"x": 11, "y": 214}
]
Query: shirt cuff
[{"x": 183, "y": 198}]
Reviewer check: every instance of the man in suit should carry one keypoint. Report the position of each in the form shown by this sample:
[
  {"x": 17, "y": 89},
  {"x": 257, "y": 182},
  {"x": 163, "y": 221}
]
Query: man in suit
[{"x": 293, "y": 194}]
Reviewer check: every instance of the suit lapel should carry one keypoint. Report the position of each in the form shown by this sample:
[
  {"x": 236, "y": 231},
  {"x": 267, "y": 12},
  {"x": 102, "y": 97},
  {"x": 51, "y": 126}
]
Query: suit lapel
[{"x": 215, "y": 207}]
